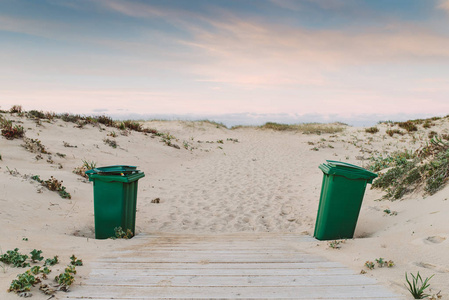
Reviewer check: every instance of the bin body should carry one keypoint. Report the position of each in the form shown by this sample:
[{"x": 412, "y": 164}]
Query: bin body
[
  {"x": 341, "y": 198},
  {"x": 115, "y": 199}
]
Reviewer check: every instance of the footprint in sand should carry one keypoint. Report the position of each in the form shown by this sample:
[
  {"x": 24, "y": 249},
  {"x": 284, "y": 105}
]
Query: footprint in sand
[
  {"x": 434, "y": 239},
  {"x": 439, "y": 269}
]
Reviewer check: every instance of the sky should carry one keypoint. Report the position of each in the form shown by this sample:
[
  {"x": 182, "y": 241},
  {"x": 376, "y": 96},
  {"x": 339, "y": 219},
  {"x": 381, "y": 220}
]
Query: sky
[{"x": 232, "y": 61}]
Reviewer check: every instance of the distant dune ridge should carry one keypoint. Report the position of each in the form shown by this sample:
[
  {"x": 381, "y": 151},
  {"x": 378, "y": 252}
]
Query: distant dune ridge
[{"x": 202, "y": 177}]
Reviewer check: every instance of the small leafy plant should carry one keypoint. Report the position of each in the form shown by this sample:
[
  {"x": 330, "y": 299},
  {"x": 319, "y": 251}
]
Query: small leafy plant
[
  {"x": 381, "y": 262},
  {"x": 11, "y": 132},
  {"x": 120, "y": 234},
  {"x": 51, "y": 261},
  {"x": 66, "y": 278},
  {"x": 23, "y": 283},
  {"x": 53, "y": 184},
  {"x": 75, "y": 262},
  {"x": 13, "y": 257},
  {"x": 111, "y": 143},
  {"x": 369, "y": 265},
  {"x": 87, "y": 165},
  {"x": 418, "y": 285},
  {"x": 389, "y": 212},
  {"x": 36, "y": 255},
  {"x": 335, "y": 244},
  {"x": 34, "y": 146}
]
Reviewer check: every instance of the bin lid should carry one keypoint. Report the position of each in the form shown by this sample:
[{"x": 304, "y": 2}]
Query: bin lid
[
  {"x": 349, "y": 171},
  {"x": 111, "y": 170}
]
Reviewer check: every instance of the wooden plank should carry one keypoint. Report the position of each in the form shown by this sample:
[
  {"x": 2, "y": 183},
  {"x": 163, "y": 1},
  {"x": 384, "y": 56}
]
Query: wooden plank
[
  {"x": 214, "y": 258},
  {"x": 125, "y": 272},
  {"x": 240, "y": 266},
  {"x": 118, "y": 279},
  {"x": 164, "y": 251},
  {"x": 204, "y": 265}
]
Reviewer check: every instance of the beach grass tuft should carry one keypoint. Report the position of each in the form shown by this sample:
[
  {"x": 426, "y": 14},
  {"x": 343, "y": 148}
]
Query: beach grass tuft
[{"x": 307, "y": 128}]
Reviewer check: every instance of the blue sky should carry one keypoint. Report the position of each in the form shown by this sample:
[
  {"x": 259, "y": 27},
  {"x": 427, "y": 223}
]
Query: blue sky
[{"x": 239, "y": 62}]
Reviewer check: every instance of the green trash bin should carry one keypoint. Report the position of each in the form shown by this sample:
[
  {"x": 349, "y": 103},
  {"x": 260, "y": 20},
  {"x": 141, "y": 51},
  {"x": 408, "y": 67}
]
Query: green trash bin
[
  {"x": 341, "y": 197},
  {"x": 115, "y": 198}
]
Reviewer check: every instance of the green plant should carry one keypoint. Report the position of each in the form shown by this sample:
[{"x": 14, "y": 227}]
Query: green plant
[
  {"x": 36, "y": 114},
  {"x": 132, "y": 125},
  {"x": 428, "y": 124},
  {"x": 369, "y": 265},
  {"x": 112, "y": 134},
  {"x": 111, "y": 143},
  {"x": 68, "y": 145},
  {"x": 35, "y": 270},
  {"x": 335, "y": 244},
  {"x": 105, "y": 120},
  {"x": 432, "y": 134},
  {"x": 120, "y": 234},
  {"x": 380, "y": 262},
  {"x": 372, "y": 130},
  {"x": 16, "y": 109},
  {"x": 66, "y": 278},
  {"x": 36, "y": 255},
  {"x": 389, "y": 212},
  {"x": 69, "y": 117},
  {"x": 51, "y": 261},
  {"x": 34, "y": 146},
  {"x": 13, "y": 257},
  {"x": 408, "y": 125},
  {"x": 391, "y": 132},
  {"x": 307, "y": 128},
  {"x": 89, "y": 165},
  {"x": 418, "y": 286},
  {"x": 11, "y": 132},
  {"x": 23, "y": 283},
  {"x": 167, "y": 139},
  {"x": 390, "y": 264},
  {"x": 62, "y": 155},
  {"x": 232, "y": 140},
  {"x": 74, "y": 261},
  {"x": 53, "y": 184}
]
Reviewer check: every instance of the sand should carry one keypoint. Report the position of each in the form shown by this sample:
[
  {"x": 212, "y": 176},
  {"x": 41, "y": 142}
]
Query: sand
[{"x": 240, "y": 180}]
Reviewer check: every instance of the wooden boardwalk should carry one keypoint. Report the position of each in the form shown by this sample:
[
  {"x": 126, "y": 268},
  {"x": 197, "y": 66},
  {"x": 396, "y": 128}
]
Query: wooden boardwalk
[{"x": 234, "y": 266}]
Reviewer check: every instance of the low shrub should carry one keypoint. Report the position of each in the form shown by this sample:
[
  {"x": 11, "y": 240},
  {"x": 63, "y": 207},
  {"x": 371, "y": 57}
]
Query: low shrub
[
  {"x": 53, "y": 184},
  {"x": 429, "y": 166},
  {"x": 408, "y": 125},
  {"x": 391, "y": 132},
  {"x": 372, "y": 130},
  {"x": 16, "y": 109},
  {"x": 13, "y": 132}
]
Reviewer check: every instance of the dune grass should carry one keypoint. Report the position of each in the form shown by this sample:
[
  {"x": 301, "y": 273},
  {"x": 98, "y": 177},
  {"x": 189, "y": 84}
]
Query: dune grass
[
  {"x": 307, "y": 128},
  {"x": 428, "y": 167}
]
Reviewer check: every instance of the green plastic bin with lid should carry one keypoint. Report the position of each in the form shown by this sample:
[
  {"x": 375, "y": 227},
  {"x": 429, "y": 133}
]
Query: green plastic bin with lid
[
  {"x": 341, "y": 197},
  {"x": 115, "y": 198}
]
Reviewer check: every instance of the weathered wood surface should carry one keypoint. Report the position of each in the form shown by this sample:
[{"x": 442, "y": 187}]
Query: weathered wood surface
[{"x": 239, "y": 266}]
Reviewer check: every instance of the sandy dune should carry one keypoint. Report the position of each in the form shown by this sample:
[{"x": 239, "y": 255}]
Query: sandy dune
[{"x": 242, "y": 180}]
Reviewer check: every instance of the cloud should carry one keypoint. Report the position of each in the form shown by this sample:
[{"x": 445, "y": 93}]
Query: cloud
[
  {"x": 296, "y": 5},
  {"x": 247, "y": 52},
  {"x": 444, "y": 5}
]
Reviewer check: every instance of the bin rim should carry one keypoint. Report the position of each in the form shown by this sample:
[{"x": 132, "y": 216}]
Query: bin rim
[
  {"x": 126, "y": 178},
  {"x": 354, "y": 173},
  {"x": 114, "y": 169},
  {"x": 350, "y": 167}
]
